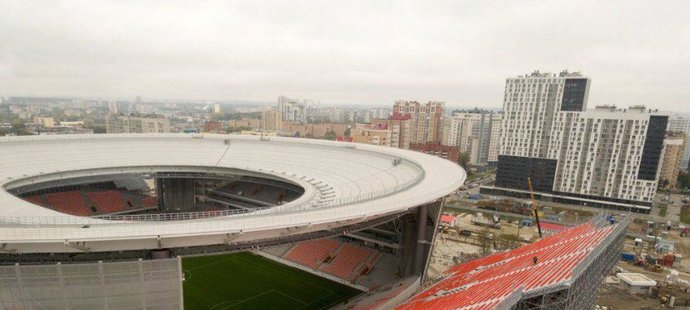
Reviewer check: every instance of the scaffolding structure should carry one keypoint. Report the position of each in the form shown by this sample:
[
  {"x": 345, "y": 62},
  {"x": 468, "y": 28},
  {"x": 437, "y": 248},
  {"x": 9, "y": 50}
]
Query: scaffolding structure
[
  {"x": 581, "y": 291},
  {"x": 150, "y": 284}
]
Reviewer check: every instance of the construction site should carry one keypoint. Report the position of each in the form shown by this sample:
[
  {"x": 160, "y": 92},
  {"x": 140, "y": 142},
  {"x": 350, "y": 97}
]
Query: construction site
[{"x": 646, "y": 269}]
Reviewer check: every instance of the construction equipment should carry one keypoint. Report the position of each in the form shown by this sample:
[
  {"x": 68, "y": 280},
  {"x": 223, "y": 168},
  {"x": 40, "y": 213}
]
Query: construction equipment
[{"x": 535, "y": 207}]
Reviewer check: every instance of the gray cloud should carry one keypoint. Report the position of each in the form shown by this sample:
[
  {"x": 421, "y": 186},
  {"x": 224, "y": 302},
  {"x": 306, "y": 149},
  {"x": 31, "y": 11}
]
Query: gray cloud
[{"x": 343, "y": 52}]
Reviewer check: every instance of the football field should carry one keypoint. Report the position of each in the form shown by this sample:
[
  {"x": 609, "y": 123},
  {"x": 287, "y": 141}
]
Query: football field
[{"x": 248, "y": 281}]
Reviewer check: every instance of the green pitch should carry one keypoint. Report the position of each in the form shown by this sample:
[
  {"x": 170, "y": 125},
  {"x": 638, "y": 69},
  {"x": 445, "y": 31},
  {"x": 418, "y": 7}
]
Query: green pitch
[{"x": 248, "y": 281}]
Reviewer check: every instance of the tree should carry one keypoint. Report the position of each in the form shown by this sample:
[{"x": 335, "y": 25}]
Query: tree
[
  {"x": 330, "y": 135},
  {"x": 486, "y": 242},
  {"x": 463, "y": 159}
]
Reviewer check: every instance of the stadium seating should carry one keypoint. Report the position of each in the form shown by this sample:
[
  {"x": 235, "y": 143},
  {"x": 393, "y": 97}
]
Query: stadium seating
[
  {"x": 69, "y": 202},
  {"x": 348, "y": 260},
  {"x": 149, "y": 202},
  {"x": 36, "y": 199},
  {"x": 107, "y": 201},
  {"x": 312, "y": 253}
]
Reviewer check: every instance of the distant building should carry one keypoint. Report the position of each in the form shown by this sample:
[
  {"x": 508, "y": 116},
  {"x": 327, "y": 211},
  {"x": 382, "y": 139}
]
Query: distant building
[
  {"x": 136, "y": 124},
  {"x": 605, "y": 157},
  {"x": 293, "y": 110},
  {"x": 380, "y": 113},
  {"x": 72, "y": 124},
  {"x": 673, "y": 157},
  {"x": 682, "y": 124},
  {"x": 216, "y": 108},
  {"x": 367, "y": 134},
  {"x": 399, "y": 131},
  {"x": 258, "y": 133},
  {"x": 271, "y": 120},
  {"x": 425, "y": 120},
  {"x": 44, "y": 121},
  {"x": 213, "y": 126},
  {"x": 473, "y": 132},
  {"x": 448, "y": 152},
  {"x": 112, "y": 107},
  {"x": 252, "y": 123}
]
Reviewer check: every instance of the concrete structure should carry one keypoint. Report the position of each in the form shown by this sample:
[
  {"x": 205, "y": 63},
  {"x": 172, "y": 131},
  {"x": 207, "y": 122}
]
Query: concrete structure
[
  {"x": 635, "y": 283},
  {"x": 138, "y": 284},
  {"x": 136, "y": 124},
  {"x": 426, "y": 120},
  {"x": 674, "y": 148},
  {"x": 605, "y": 157},
  {"x": 345, "y": 185},
  {"x": 271, "y": 120},
  {"x": 473, "y": 132},
  {"x": 294, "y": 110},
  {"x": 681, "y": 124},
  {"x": 216, "y": 108}
]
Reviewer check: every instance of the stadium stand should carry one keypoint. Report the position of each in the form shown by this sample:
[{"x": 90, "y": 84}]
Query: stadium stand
[
  {"x": 71, "y": 202},
  {"x": 348, "y": 259},
  {"x": 504, "y": 277},
  {"x": 107, "y": 201},
  {"x": 312, "y": 253},
  {"x": 343, "y": 259},
  {"x": 36, "y": 199}
]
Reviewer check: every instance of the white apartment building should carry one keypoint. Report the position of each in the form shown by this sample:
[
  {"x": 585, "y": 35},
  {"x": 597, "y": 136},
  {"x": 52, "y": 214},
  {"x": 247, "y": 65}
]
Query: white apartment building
[
  {"x": 605, "y": 157},
  {"x": 473, "y": 132},
  {"x": 294, "y": 110},
  {"x": 682, "y": 124}
]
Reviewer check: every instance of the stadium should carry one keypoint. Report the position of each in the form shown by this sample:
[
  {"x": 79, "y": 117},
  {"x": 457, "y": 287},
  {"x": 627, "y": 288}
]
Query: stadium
[{"x": 166, "y": 221}]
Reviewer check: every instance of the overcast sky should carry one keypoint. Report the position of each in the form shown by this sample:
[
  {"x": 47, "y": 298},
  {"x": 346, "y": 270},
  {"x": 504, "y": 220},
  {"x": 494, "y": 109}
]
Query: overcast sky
[{"x": 346, "y": 52}]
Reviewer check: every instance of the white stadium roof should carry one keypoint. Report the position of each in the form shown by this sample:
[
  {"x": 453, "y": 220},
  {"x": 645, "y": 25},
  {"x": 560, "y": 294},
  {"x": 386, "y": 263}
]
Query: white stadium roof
[{"x": 344, "y": 183}]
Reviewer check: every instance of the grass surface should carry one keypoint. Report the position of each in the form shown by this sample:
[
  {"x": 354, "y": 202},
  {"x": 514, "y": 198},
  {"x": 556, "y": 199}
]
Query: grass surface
[
  {"x": 685, "y": 215},
  {"x": 248, "y": 281}
]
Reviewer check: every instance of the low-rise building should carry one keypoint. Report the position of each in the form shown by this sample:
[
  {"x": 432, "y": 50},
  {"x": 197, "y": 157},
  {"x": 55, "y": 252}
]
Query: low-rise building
[{"x": 635, "y": 283}]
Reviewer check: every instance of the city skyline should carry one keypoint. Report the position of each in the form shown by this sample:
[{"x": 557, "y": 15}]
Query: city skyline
[{"x": 345, "y": 54}]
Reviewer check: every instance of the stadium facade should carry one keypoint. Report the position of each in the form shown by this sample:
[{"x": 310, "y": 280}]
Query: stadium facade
[{"x": 93, "y": 200}]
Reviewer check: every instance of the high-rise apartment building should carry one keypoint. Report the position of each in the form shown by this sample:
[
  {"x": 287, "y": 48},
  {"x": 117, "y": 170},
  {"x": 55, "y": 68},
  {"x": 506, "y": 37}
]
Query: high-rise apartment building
[
  {"x": 271, "y": 120},
  {"x": 473, "y": 132},
  {"x": 112, "y": 107},
  {"x": 136, "y": 124},
  {"x": 426, "y": 120},
  {"x": 682, "y": 124},
  {"x": 294, "y": 110},
  {"x": 605, "y": 157},
  {"x": 400, "y": 130},
  {"x": 673, "y": 157}
]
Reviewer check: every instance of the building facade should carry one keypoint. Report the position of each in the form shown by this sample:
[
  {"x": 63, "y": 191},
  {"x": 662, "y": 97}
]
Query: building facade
[
  {"x": 682, "y": 124},
  {"x": 136, "y": 124},
  {"x": 605, "y": 157},
  {"x": 426, "y": 120},
  {"x": 294, "y": 110},
  {"x": 674, "y": 147},
  {"x": 473, "y": 132},
  {"x": 271, "y": 120},
  {"x": 400, "y": 130}
]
